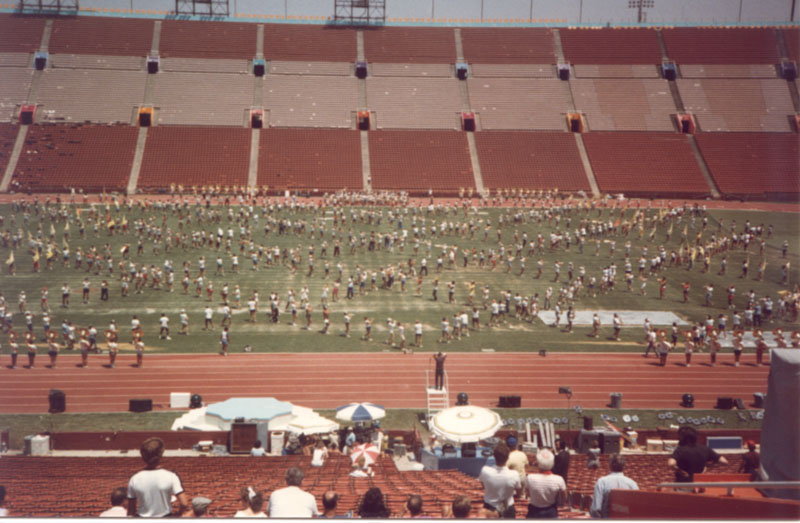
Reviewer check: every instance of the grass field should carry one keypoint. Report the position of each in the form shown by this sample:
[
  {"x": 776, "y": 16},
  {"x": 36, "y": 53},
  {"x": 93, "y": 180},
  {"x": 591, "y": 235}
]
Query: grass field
[{"x": 380, "y": 304}]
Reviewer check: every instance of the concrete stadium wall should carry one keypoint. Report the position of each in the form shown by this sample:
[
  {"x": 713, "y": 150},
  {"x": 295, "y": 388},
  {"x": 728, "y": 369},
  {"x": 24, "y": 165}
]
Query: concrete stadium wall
[{"x": 455, "y": 12}]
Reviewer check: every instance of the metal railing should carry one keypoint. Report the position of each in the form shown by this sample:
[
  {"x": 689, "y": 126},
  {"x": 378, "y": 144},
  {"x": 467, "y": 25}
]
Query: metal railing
[{"x": 730, "y": 485}]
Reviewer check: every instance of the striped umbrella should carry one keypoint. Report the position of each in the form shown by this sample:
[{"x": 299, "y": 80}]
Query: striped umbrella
[{"x": 360, "y": 412}]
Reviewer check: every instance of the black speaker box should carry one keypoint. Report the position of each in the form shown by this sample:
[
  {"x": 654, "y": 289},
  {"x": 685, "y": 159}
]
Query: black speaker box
[
  {"x": 363, "y": 123},
  {"x": 40, "y": 62},
  {"x": 469, "y": 125},
  {"x": 724, "y": 403},
  {"x": 563, "y": 72},
  {"x": 145, "y": 120},
  {"x": 669, "y": 71},
  {"x": 468, "y": 450},
  {"x": 462, "y": 73},
  {"x": 758, "y": 399},
  {"x": 609, "y": 442},
  {"x": 575, "y": 125},
  {"x": 140, "y": 405},
  {"x": 256, "y": 122},
  {"x": 789, "y": 71},
  {"x": 361, "y": 70},
  {"x": 588, "y": 423},
  {"x": 739, "y": 404},
  {"x": 511, "y": 402},
  {"x": 259, "y": 69},
  {"x": 586, "y": 440},
  {"x": 58, "y": 401}
]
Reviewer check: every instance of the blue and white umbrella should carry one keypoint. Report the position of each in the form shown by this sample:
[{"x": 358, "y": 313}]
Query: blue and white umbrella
[{"x": 360, "y": 412}]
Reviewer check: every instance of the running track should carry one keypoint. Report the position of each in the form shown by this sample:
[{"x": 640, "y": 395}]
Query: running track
[{"x": 391, "y": 379}]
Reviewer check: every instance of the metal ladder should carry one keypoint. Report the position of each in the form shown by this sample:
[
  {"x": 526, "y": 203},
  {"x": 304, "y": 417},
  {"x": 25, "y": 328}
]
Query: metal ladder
[{"x": 437, "y": 399}]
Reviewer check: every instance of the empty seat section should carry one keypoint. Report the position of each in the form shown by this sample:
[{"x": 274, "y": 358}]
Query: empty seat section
[
  {"x": 513, "y": 70},
  {"x": 206, "y": 65},
  {"x": 77, "y": 95},
  {"x": 519, "y": 103},
  {"x": 412, "y": 69},
  {"x": 96, "y": 61},
  {"x": 727, "y": 71},
  {"x": 308, "y": 159},
  {"x": 20, "y": 34},
  {"x": 747, "y": 164},
  {"x": 508, "y": 45},
  {"x": 89, "y": 157},
  {"x": 14, "y": 85},
  {"x": 422, "y": 45},
  {"x": 645, "y": 164},
  {"x": 610, "y": 46},
  {"x": 418, "y": 161},
  {"x": 624, "y": 105},
  {"x": 315, "y": 68},
  {"x": 530, "y": 160},
  {"x": 195, "y": 156},
  {"x": 414, "y": 103},
  {"x": 616, "y": 71},
  {"x": 8, "y": 135},
  {"x": 290, "y": 42},
  {"x": 15, "y": 60},
  {"x": 791, "y": 37},
  {"x": 738, "y": 105},
  {"x": 195, "y": 98},
  {"x": 310, "y": 101},
  {"x": 696, "y": 45},
  {"x": 104, "y": 36},
  {"x": 207, "y": 39}
]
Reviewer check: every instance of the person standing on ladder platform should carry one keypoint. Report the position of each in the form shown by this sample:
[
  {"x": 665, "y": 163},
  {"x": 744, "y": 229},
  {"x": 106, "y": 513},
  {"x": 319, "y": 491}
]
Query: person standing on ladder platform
[{"x": 439, "y": 358}]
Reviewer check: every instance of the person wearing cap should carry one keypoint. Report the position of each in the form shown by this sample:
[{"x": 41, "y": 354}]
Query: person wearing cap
[
  {"x": 615, "y": 480},
  {"x": 150, "y": 490},
  {"x": 517, "y": 460},
  {"x": 546, "y": 491},
  {"x": 200, "y": 506}
]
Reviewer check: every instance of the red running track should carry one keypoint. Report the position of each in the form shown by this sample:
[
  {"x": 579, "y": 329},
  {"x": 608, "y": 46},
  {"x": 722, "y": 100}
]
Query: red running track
[{"x": 393, "y": 380}]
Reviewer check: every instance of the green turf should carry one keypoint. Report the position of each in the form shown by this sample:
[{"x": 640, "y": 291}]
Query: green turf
[
  {"x": 20, "y": 425},
  {"x": 380, "y": 304}
]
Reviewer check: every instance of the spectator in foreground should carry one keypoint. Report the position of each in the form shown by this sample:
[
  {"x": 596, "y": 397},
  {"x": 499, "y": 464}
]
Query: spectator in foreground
[
  {"x": 252, "y": 504},
  {"x": 291, "y": 501},
  {"x": 330, "y": 500},
  {"x": 460, "y": 508},
  {"x": 412, "y": 507},
  {"x": 3, "y": 510},
  {"x": 546, "y": 491},
  {"x": 200, "y": 506},
  {"x": 373, "y": 506},
  {"x": 517, "y": 460},
  {"x": 751, "y": 461},
  {"x": 258, "y": 449},
  {"x": 561, "y": 463},
  {"x": 150, "y": 490},
  {"x": 117, "y": 510},
  {"x": 690, "y": 458},
  {"x": 500, "y": 484},
  {"x": 615, "y": 480}
]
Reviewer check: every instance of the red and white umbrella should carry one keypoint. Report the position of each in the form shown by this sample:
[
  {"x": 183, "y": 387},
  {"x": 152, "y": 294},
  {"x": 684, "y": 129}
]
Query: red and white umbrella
[{"x": 369, "y": 451}]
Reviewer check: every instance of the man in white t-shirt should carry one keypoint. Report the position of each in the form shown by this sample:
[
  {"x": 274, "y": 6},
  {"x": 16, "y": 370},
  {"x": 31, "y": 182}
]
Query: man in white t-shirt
[
  {"x": 291, "y": 501},
  {"x": 545, "y": 489},
  {"x": 150, "y": 490},
  {"x": 117, "y": 510},
  {"x": 500, "y": 484}
]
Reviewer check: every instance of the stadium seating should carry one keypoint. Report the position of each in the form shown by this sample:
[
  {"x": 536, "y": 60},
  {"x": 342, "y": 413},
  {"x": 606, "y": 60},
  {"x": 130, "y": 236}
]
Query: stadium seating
[
  {"x": 193, "y": 39},
  {"x": 738, "y": 105},
  {"x": 512, "y": 70},
  {"x": 616, "y": 71},
  {"x": 8, "y": 133},
  {"x": 90, "y": 157},
  {"x": 728, "y": 71},
  {"x": 205, "y": 65},
  {"x": 531, "y": 160},
  {"x": 519, "y": 103},
  {"x": 411, "y": 69},
  {"x": 78, "y": 95},
  {"x": 708, "y": 45},
  {"x": 508, "y": 45},
  {"x": 645, "y": 164},
  {"x": 101, "y": 36},
  {"x": 308, "y": 159},
  {"x": 753, "y": 164},
  {"x": 610, "y": 46},
  {"x": 80, "y": 486},
  {"x": 310, "y": 101},
  {"x": 14, "y": 85},
  {"x": 290, "y": 42},
  {"x": 422, "y": 45},
  {"x": 791, "y": 37},
  {"x": 195, "y": 156},
  {"x": 316, "y": 68},
  {"x": 414, "y": 103},
  {"x": 96, "y": 61},
  {"x": 420, "y": 160},
  {"x": 624, "y": 105},
  {"x": 20, "y": 34},
  {"x": 194, "y": 98}
]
